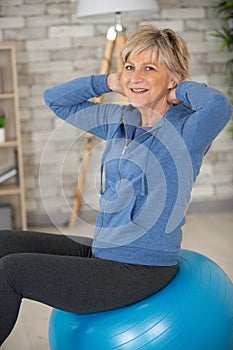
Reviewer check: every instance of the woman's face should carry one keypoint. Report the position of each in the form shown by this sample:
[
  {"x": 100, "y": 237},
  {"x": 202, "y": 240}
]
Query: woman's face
[{"x": 147, "y": 82}]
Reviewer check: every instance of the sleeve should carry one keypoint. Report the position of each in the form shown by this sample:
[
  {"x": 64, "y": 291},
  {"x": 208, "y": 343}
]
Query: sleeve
[
  {"x": 72, "y": 96},
  {"x": 211, "y": 111},
  {"x": 70, "y": 101}
]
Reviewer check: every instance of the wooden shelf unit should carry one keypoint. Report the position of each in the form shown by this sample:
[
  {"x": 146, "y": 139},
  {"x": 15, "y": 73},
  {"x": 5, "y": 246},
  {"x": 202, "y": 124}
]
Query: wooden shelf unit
[{"x": 11, "y": 191}]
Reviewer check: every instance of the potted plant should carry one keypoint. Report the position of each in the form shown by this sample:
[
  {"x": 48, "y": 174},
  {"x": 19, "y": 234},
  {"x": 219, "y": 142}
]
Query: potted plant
[{"x": 2, "y": 125}]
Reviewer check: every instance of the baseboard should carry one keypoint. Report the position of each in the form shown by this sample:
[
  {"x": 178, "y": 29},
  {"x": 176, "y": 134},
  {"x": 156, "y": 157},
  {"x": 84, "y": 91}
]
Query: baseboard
[
  {"x": 60, "y": 219},
  {"x": 89, "y": 216},
  {"x": 209, "y": 206}
]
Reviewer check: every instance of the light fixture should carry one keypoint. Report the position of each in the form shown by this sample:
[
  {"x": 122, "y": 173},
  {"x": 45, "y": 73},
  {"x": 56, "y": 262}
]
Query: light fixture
[{"x": 87, "y": 8}]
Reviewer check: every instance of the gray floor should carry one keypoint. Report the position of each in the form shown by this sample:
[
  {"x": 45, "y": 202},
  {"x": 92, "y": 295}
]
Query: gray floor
[{"x": 209, "y": 234}]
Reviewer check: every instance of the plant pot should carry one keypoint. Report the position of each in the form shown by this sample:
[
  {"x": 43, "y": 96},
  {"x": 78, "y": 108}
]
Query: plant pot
[{"x": 2, "y": 135}]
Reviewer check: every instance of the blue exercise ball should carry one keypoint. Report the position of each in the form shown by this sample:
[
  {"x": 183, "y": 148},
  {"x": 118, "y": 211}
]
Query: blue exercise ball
[{"x": 194, "y": 312}]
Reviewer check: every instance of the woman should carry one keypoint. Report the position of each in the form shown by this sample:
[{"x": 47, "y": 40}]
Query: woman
[{"x": 154, "y": 149}]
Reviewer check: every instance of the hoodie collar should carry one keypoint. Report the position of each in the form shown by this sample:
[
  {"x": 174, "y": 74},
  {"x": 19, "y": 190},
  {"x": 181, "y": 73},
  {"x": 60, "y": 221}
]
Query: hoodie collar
[{"x": 132, "y": 118}]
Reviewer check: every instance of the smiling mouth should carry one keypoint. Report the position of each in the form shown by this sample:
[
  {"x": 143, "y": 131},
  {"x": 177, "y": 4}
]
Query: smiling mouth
[{"x": 138, "y": 91}]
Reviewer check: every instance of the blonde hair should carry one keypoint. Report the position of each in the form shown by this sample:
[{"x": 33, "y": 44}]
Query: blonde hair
[{"x": 168, "y": 45}]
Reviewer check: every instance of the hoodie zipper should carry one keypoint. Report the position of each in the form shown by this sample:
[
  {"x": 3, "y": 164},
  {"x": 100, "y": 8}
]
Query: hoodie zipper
[{"x": 128, "y": 143}]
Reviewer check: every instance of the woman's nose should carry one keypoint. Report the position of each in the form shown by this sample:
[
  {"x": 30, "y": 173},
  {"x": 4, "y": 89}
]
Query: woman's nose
[{"x": 137, "y": 76}]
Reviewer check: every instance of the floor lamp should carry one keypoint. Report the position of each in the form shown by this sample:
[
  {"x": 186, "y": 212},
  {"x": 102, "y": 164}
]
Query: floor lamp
[{"x": 115, "y": 40}]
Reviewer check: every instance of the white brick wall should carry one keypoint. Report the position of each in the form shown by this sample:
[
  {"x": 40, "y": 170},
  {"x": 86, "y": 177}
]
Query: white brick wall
[
  {"x": 49, "y": 44},
  {"x": 24, "y": 10},
  {"x": 72, "y": 31},
  {"x": 183, "y": 13},
  {"x": 54, "y": 46},
  {"x": 12, "y": 22}
]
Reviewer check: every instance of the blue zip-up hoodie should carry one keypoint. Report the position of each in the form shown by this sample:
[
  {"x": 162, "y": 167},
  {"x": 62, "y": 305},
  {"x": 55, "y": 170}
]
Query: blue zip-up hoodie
[{"x": 146, "y": 181}]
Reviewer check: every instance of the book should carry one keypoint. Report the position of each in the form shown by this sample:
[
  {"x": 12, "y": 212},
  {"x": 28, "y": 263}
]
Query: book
[{"x": 8, "y": 175}]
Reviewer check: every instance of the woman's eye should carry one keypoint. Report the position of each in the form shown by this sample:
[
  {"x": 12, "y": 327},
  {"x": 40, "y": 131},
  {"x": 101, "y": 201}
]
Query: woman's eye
[
  {"x": 149, "y": 68},
  {"x": 128, "y": 67}
]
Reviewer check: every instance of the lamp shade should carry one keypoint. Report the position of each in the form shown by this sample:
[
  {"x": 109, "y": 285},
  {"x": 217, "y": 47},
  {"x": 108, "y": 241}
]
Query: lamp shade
[{"x": 87, "y": 8}]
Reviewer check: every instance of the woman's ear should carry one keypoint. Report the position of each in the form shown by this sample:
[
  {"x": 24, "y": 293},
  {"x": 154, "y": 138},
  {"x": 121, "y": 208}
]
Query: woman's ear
[
  {"x": 175, "y": 79},
  {"x": 172, "y": 84}
]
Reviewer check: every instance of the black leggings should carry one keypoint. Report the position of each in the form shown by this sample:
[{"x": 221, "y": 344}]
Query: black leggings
[{"x": 62, "y": 272}]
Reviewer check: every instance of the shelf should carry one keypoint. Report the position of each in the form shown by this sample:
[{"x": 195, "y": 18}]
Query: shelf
[
  {"x": 9, "y": 190},
  {"x": 7, "y": 95},
  {"x": 6, "y": 144},
  {"x": 5, "y": 47}
]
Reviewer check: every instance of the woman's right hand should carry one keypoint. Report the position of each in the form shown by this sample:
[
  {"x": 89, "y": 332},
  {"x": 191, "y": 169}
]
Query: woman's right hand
[{"x": 114, "y": 83}]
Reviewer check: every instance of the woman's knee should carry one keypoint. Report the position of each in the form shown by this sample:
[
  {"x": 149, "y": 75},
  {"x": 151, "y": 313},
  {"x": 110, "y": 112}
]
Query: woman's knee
[{"x": 13, "y": 272}]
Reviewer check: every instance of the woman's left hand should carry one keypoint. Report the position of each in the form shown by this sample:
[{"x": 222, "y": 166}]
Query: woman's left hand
[{"x": 172, "y": 99}]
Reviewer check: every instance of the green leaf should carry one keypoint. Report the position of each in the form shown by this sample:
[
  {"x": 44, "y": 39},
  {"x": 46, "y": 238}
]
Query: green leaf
[
  {"x": 224, "y": 9},
  {"x": 2, "y": 122}
]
